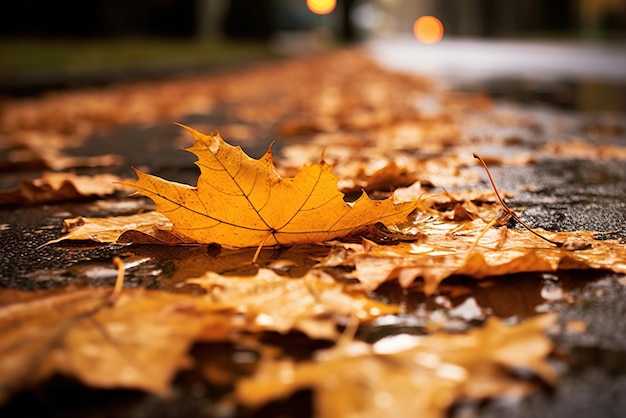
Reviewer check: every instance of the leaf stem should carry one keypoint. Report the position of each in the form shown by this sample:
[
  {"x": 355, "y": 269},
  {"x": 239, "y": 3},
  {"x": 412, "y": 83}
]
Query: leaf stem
[
  {"x": 509, "y": 210},
  {"x": 478, "y": 238},
  {"x": 260, "y": 247}
]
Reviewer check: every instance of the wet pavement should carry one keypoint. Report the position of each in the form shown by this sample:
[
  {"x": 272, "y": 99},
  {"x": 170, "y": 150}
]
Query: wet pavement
[
  {"x": 564, "y": 194},
  {"x": 581, "y": 83}
]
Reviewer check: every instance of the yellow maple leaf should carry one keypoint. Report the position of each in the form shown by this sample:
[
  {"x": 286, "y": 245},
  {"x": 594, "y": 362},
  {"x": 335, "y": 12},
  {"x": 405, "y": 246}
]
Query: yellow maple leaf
[{"x": 243, "y": 202}]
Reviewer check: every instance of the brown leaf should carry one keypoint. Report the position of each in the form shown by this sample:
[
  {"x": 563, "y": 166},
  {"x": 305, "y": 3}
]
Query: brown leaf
[
  {"x": 309, "y": 304},
  {"x": 39, "y": 150},
  {"x": 57, "y": 187},
  {"x": 443, "y": 251},
  {"x": 138, "y": 343},
  {"x": 142, "y": 340},
  {"x": 110, "y": 229},
  {"x": 577, "y": 148},
  {"x": 406, "y": 375}
]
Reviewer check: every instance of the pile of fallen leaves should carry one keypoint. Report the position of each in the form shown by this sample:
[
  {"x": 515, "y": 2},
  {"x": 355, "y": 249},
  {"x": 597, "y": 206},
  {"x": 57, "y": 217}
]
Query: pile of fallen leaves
[{"x": 360, "y": 190}]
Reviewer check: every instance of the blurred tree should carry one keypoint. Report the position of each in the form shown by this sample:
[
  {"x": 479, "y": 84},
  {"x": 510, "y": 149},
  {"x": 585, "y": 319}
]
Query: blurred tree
[
  {"x": 97, "y": 18},
  {"x": 249, "y": 19}
]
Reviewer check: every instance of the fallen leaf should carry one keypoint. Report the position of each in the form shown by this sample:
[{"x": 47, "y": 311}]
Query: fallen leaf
[
  {"x": 311, "y": 304},
  {"x": 577, "y": 148},
  {"x": 371, "y": 178},
  {"x": 242, "y": 202},
  {"x": 141, "y": 340},
  {"x": 138, "y": 343},
  {"x": 57, "y": 187},
  {"x": 406, "y": 375},
  {"x": 357, "y": 160},
  {"x": 444, "y": 250},
  {"x": 152, "y": 224}
]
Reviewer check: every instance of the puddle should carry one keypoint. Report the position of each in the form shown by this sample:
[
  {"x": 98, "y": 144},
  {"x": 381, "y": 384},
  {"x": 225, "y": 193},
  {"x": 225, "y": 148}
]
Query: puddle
[
  {"x": 177, "y": 264},
  {"x": 461, "y": 303}
]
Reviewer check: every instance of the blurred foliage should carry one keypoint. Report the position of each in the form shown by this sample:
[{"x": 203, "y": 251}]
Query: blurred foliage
[{"x": 33, "y": 57}]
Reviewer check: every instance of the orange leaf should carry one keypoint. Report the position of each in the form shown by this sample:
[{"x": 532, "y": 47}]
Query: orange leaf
[
  {"x": 57, "y": 187},
  {"x": 243, "y": 202},
  {"x": 138, "y": 343},
  {"x": 151, "y": 224},
  {"x": 404, "y": 375},
  {"x": 442, "y": 251},
  {"x": 309, "y": 304}
]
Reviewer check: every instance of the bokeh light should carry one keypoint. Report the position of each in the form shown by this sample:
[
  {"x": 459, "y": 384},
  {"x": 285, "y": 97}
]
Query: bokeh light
[
  {"x": 428, "y": 29},
  {"x": 321, "y": 7}
]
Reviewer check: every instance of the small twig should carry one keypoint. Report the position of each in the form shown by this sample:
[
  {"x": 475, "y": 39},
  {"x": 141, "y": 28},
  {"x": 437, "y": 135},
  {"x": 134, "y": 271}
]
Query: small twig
[
  {"x": 119, "y": 282},
  {"x": 509, "y": 210}
]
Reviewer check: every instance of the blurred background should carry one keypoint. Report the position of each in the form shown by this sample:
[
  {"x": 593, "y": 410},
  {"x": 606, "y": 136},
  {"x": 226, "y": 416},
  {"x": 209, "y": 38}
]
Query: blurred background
[
  {"x": 66, "y": 43},
  {"x": 346, "y": 19}
]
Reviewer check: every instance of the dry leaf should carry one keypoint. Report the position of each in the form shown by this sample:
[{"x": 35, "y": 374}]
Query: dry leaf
[
  {"x": 310, "y": 304},
  {"x": 444, "y": 250},
  {"x": 578, "y": 148},
  {"x": 55, "y": 187},
  {"x": 138, "y": 343},
  {"x": 112, "y": 228},
  {"x": 242, "y": 202},
  {"x": 142, "y": 340},
  {"x": 408, "y": 376}
]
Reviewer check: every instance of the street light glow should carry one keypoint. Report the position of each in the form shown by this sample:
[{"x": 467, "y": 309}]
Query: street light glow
[
  {"x": 321, "y": 7},
  {"x": 428, "y": 29}
]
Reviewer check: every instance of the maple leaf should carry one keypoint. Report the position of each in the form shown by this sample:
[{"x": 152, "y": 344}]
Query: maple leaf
[
  {"x": 405, "y": 375},
  {"x": 243, "y": 202}
]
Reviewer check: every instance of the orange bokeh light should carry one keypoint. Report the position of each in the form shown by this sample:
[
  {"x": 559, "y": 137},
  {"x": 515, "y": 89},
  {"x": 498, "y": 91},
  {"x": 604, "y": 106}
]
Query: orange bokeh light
[
  {"x": 321, "y": 7},
  {"x": 428, "y": 29}
]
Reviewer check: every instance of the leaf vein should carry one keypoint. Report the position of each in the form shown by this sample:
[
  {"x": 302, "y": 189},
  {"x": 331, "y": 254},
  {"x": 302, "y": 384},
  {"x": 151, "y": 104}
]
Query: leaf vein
[
  {"x": 310, "y": 193},
  {"x": 181, "y": 206},
  {"x": 242, "y": 191}
]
